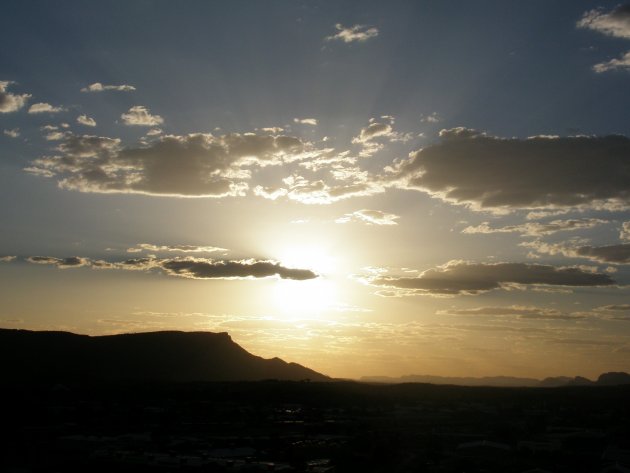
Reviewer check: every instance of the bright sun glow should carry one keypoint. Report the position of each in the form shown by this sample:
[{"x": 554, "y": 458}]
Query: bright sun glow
[{"x": 310, "y": 297}]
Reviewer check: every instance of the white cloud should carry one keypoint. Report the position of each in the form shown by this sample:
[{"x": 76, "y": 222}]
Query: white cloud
[
  {"x": 306, "y": 121},
  {"x": 13, "y": 133},
  {"x": 42, "y": 107},
  {"x": 621, "y": 63},
  {"x": 370, "y": 217},
  {"x": 11, "y": 102},
  {"x": 432, "y": 118},
  {"x": 6, "y": 259},
  {"x": 98, "y": 87},
  {"x": 624, "y": 234},
  {"x": 354, "y": 33},
  {"x": 614, "y": 23},
  {"x": 174, "y": 248},
  {"x": 139, "y": 115},
  {"x": 538, "y": 228},
  {"x": 85, "y": 120}
]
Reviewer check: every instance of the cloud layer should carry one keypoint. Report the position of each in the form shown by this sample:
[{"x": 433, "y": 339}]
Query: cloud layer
[
  {"x": 460, "y": 277},
  {"x": 191, "y": 268},
  {"x": 196, "y": 165},
  {"x": 502, "y": 174}
]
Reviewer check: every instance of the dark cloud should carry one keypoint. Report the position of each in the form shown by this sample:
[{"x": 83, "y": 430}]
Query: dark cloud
[
  {"x": 193, "y": 268},
  {"x": 615, "y": 254},
  {"x": 615, "y": 307},
  {"x": 459, "y": 277},
  {"x": 618, "y": 254},
  {"x": 70, "y": 262},
  {"x": 487, "y": 172},
  {"x": 196, "y": 165},
  {"x": 207, "y": 269}
]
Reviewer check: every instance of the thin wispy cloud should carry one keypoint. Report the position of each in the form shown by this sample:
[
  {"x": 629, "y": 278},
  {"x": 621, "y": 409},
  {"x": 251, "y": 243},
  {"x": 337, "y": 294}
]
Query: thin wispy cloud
[
  {"x": 351, "y": 34},
  {"x": 98, "y": 87},
  {"x": 369, "y": 217}
]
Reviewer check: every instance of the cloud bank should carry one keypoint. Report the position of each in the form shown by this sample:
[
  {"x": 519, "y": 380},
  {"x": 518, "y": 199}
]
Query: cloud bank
[
  {"x": 461, "y": 277},
  {"x": 191, "y": 268},
  {"x": 195, "y": 165},
  {"x": 503, "y": 174}
]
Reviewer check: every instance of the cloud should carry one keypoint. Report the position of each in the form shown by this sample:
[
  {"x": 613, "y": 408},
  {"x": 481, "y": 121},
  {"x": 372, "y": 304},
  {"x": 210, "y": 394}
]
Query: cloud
[
  {"x": 354, "y": 33},
  {"x": 85, "y": 120},
  {"x": 42, "y": 107},
  {"x": 11, "y": 102},
  {"x": 374, "y": 130},
  {"x": 614, "y": 23},
  {"x": 615, "y": 307},
  {"x": 624, "y": 234},
  {"x": 432, "y": 118},
  {"x": 139, "y": 115},
  {"x": 621, "y": 63},
  {"x": 537, "y": 228},
  {"x": 6, "y": 259},
  {"x": 62, "y": 263},
  {"x": 461, "y": 277},
  {"x": 300, "y": 189},
  {"x": 206, "y": 269},
  {"x": 191, "y": 268},
  {"x": 154, "y": 132},
  {"x": 98, "y": 87},
  {"x": 305, "y": 121},
  {"x": 370, "y": 217},
  {"x": 14, "y": 133},
  {"x": 485, "y": 172},
  {"x": 521, "y": 312},
  {"x": 174, "y": 248},
  {"x": 195, "y": 165},
  {"x": 614, "y": 254}
]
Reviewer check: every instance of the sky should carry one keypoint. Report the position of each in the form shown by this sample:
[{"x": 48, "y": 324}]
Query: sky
[{"x": 365, "y": 188}]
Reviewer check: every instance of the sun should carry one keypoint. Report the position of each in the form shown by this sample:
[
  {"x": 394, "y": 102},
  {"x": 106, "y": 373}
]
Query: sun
[{"x": 310, "y": 297}]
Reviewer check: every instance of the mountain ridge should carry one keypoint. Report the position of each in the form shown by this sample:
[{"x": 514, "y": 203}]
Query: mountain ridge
[{"x": 171, "y": 356}]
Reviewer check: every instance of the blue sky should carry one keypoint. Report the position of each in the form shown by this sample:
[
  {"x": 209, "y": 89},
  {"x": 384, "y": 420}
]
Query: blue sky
[{"x": 377, "y": 146}]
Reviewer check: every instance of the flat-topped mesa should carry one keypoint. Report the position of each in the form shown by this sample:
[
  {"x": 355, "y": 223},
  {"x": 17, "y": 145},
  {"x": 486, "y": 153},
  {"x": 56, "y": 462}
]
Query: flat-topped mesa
[{"x": 170, "y": 356}]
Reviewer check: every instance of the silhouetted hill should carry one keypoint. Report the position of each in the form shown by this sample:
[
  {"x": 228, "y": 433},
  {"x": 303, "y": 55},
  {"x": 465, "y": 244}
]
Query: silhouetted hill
[
  {"x": 613, "y": 379},
  {"x": 156, "y": 356}
]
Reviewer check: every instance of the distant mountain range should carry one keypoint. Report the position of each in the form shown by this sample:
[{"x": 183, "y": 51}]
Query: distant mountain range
[
  {"x": 43, "y": 357},
  {"x": 606, "y": 379}
]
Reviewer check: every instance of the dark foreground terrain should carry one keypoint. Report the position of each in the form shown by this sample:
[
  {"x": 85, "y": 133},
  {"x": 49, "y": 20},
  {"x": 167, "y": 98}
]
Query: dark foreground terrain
[{"x": 312, "y": 427}]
